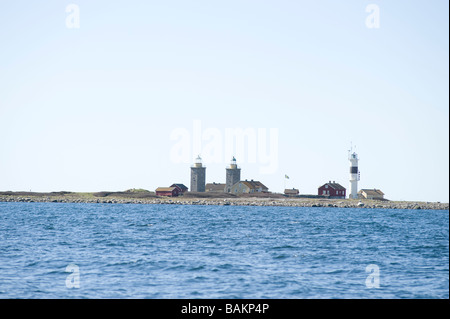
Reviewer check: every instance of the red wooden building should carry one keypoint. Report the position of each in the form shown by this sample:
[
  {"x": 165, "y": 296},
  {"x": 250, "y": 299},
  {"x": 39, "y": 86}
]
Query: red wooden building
[
  {"x": 181, "y": 188},
  {"x": 167, "y": 191},
  {"x": 333, "y": 190}
]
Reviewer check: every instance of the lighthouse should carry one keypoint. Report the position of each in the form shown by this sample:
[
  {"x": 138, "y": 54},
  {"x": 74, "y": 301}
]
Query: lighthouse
[
  {"x": 198, "y": 176},
  {"x": 354, "y": 174},
  {"x": 233, "y": 175}
]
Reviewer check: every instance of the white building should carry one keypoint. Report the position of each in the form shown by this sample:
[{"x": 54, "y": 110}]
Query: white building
[{"x": 354, "y": 174}]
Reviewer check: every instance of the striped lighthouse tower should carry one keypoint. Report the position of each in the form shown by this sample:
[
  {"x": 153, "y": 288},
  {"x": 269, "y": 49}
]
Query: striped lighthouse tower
[{"x": 354, "y": 174}]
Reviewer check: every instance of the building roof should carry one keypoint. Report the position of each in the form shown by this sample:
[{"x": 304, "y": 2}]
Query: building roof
[
  {"x": 372, "y": 192},
  {"x": 180, "y": 186},
  {"x": 254, "y": 184},
  {"x": 215, "y": 187},
  {"x": 334, "y": 185},
  {"x": 292, "y": 191},
  {"x": 165, "y": 189}
]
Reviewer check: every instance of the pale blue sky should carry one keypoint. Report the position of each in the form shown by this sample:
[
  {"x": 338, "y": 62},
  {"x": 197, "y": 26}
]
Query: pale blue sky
[{"x": 93, "y": 108}]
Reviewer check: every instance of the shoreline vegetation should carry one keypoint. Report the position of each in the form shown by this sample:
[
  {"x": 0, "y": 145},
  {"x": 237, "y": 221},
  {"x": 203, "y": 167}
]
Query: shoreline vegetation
[{"x": 139, "y": 196}]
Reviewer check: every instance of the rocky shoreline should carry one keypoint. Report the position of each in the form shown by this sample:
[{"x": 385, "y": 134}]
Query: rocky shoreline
[{"x": 248, "y": 201}]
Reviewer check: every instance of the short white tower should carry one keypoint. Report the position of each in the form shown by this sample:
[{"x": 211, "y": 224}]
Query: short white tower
[{"x": 354, "y": 174}]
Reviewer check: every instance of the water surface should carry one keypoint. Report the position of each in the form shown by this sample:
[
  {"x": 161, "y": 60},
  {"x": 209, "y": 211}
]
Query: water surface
[{"x": 172, "y": 251}]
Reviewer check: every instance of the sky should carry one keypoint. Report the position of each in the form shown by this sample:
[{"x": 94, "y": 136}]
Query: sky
[{"x": 113, "y": 95}]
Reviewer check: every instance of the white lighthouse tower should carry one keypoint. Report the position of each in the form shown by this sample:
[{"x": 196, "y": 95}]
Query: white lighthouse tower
[{"x": 354, "y": 174}]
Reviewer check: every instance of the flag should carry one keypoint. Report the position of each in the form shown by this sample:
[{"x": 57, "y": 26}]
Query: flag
[{"x": 285, "y": 176}]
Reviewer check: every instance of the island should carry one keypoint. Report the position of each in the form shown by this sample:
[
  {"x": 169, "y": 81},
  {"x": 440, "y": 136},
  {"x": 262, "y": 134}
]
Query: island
[{"x": 140, "y": 196}]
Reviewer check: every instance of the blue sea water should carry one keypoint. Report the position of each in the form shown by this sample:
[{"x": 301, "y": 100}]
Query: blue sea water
[{"x": 172, "y": 251}]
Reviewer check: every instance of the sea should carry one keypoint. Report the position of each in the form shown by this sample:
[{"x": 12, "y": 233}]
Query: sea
[{"x": 64, "y": 251}]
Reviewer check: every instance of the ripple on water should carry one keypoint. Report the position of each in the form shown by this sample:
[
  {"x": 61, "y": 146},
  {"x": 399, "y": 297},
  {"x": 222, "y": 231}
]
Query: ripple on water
[{"x": 160, "y": 251}]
